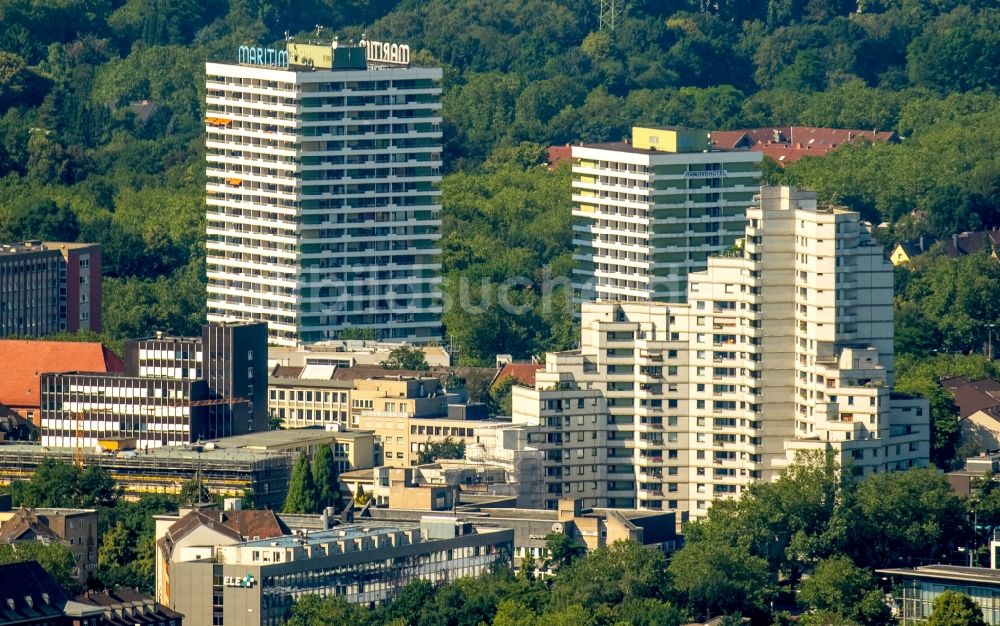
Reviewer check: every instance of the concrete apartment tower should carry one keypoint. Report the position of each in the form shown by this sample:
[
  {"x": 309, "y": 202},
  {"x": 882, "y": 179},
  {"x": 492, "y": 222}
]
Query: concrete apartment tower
[
  {"x": 323, "y": 207},
  {"x": 650, "y": 212},
  {"x": 782, "y": 347}
]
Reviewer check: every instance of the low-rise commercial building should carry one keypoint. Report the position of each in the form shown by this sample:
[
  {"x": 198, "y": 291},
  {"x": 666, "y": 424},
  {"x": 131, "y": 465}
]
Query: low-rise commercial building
[
  {"x": 232, "y": 472},
  {"x": 212, "y": 575},
  {"x": 174, "y": 391},
  {"x": 352, "y": 449},
  {"x": 921, "y": 586},
  {"x": 401, "y": 440},
  {"x": 302, "y": 396},
  {"x": 350, "y": 353},
  {"x": 594, "y": 528}
]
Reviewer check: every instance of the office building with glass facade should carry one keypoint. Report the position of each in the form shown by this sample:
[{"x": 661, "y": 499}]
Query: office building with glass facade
[{"x": 217, "y": 577}]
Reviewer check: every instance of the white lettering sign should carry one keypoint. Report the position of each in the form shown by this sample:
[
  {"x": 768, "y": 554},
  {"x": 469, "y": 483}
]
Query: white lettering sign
[
  {"x": 385, "y": 52},
  {"x": 705, "y": 173},
  {"x": 251, "y": 55},
  {"x": 244, "y": 582}
]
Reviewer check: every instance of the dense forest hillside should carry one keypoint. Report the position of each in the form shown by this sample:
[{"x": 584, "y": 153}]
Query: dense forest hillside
[{"x": 101, "y": 130}]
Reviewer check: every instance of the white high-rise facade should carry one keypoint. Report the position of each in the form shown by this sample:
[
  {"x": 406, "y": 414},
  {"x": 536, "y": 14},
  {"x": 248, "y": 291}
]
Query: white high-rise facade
[
  {"x": 785, "y": 346},
  {"x": 323, "y": 199},
  {"x": 650, "y": 212}
]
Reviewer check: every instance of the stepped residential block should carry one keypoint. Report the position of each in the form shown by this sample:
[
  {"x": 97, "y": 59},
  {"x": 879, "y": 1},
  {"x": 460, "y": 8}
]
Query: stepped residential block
[
  {"x": 323, "y": 207},
  {"x": 649, "y": 213},
  {"x": 783, "y": 347}
]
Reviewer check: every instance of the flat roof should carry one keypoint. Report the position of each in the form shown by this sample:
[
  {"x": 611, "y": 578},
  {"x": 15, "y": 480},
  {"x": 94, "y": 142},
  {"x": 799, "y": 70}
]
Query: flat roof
[
  {"x": 621, "y": 146},
  {"x": 348, "y": 531},
  {"x": 163, "y": 452},
  {"x": 311, "y": 383},
  {"x": 948, "y": 572},
  {"x": 286, "y": 437},
  {"x": 20, "y": 247}
]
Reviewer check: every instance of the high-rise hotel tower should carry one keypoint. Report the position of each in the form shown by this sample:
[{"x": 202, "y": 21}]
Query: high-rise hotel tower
[
  {"x": 323, "y": 206},
  {"x": 649, "y": 212}
]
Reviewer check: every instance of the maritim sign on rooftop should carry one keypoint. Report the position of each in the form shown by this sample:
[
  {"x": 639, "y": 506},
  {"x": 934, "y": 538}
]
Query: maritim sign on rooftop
[
  {"x": 270, "y": 57},
  {"x": 385, "y": 52}
]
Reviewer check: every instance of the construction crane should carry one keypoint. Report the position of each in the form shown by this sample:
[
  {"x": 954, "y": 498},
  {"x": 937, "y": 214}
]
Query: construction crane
[
  {"x": 78, "y": 453},
  {"x": 217, "y": 402}
]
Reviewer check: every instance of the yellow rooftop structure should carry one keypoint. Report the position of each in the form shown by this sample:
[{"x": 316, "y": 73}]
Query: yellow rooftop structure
[{"x": 669, "y": 139}]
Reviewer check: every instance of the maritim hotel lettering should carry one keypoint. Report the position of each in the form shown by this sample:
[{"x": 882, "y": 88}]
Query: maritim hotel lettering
[
  {"x": 385, "y": 52},
  {"x": 263, "y": 56}
]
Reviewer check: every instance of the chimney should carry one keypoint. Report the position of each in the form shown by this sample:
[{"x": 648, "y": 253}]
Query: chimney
[
  {"x": 954, "y": 242},
  {"x": 850, "y": 135}
]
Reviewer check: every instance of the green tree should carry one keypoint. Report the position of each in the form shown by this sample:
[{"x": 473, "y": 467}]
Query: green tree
[
  {"x": 405, "y": 358},
  {"x": 896, "y": 516},
  {"x": 193, "y": 492},
  {"x": 360, "y": 497},
  {"x": 301, "y": 496},
  {"x": 837, "y": 586},
  {"x": 35, "y": 217},
  {"x": 325, "y": 475},
  {"x": 312, "y": 610},
  {"x": 611, "y": 575},
  {"x": 128, "y": 547},
  {"x": 62, "y": 485},
  {"x": 963, "y": 38},
  {"x": 500, "y": 400},
  {"x": 562, "y": 549},
  {"x": 953, "y": 608},
  {"x": 447, "y": 449},
  {"x": 718, "y": 578},
  {"x": 55, "y": 558}
]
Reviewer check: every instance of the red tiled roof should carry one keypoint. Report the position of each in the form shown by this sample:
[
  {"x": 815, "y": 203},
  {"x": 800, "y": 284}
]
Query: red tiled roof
[
  {"x": 788, "y": 144},
  {"x": 964, "y": 244},
  {"x": 251, "y": 524},
  {"x": 977, "y": 395},
  {"x": 523, "y": 373},
  {"x": 730, "y": 139},
  {"x": 555, "y": 154},
  {"x": 24, "y": 361},
  {"x": 23, "y": 522}
]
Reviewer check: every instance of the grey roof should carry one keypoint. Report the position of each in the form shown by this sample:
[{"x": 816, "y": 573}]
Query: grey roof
[{"x": 957, "y": 573}]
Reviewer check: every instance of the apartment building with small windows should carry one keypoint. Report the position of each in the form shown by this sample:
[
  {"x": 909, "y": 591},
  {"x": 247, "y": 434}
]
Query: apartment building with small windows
[
  {"x": 782, "y": 347},
  {"x": 49, "y": 287},
  {"x": 323, "y": 209},
  {"x": 650, "y": 212}
]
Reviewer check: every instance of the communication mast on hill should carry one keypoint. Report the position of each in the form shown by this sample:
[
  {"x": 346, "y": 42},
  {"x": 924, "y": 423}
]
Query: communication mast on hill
[{"x": 612, "y": 13}]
